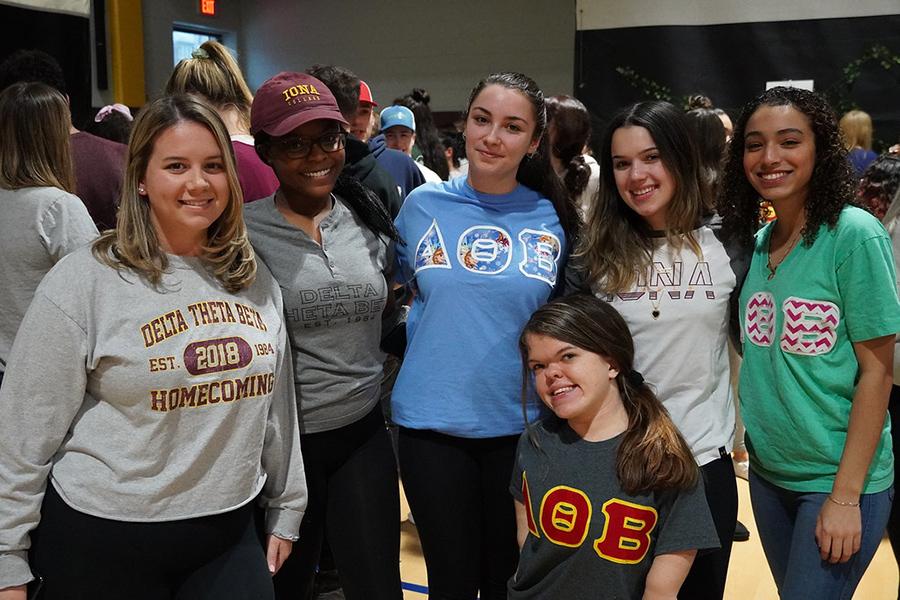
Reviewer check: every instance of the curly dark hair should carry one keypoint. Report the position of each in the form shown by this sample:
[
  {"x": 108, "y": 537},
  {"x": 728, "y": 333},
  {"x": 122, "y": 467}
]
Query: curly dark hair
[
  {"x": 32, "y": 65},
  {"x": 831, "y": 186}
]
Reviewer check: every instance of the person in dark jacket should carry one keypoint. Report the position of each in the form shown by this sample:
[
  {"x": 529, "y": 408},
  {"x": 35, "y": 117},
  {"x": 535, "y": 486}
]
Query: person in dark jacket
[{"x": 362, "y": 163}]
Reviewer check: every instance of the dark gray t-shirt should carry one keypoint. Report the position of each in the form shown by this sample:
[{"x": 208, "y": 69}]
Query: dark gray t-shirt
[
  {"x": 588, "y": 538},
  {"x": 334, "y": 295}
]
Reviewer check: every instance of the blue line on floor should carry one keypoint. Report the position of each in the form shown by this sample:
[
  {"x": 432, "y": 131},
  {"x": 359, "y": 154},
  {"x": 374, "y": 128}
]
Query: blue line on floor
[{"x": 414, "y": 587}]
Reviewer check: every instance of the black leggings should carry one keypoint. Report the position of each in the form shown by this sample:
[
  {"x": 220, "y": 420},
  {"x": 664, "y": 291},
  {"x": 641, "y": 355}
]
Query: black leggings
[
  {"x": 458, "y": 490},
  {"x": 706, "y": 580},
  {"x": 354, "y": 496},
  {"x": 82, "y": 557}
]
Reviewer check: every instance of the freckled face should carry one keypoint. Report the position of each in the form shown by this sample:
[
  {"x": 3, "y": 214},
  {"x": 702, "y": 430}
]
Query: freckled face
[
  {"x": 643, "y": 181},
  {"x": 779, "y": 154}
]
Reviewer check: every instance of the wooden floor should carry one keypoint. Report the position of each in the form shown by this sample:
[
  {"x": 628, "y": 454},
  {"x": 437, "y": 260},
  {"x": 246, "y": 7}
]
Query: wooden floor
[{"x": 748, "y": 575}]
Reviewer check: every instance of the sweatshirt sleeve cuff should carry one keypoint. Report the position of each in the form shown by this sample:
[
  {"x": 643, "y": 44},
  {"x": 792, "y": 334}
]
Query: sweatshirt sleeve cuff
[
  {"x": 14, "y": 569},
  {"x": 284, "y": 523}
]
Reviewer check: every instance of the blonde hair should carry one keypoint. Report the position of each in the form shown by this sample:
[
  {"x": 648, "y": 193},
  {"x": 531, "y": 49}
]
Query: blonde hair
[
  {"x": 856, "y": 127},
  {"x": 34, "y": 138},
  {"x": 134, "y": 242},
  {"x": 212, "y": 72},
  {"x": 616, "y": 244}
]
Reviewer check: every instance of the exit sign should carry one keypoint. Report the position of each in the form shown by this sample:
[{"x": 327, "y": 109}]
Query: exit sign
[{"x": 208, "y": 7}]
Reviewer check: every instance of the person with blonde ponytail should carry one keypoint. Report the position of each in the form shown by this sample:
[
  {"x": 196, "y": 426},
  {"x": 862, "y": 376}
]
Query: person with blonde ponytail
[
  {"x": 608, "y": 495},
  {"x": 148, "y": 404},
  {"x": 213, "y": 73}
]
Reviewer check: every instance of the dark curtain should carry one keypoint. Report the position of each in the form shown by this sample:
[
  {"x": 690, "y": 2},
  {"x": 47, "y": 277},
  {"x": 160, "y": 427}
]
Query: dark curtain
[
  {"x": 731, "y": 64},
  {"x": 65, "y": 37}
]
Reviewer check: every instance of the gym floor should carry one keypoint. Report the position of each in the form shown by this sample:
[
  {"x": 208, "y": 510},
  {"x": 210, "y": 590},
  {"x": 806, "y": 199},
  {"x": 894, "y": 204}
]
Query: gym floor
[{"x": 748, "y": 577}]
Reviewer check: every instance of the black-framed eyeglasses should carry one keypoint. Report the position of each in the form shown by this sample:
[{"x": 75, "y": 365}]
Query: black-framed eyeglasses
[{"x": 298, "y": 147}]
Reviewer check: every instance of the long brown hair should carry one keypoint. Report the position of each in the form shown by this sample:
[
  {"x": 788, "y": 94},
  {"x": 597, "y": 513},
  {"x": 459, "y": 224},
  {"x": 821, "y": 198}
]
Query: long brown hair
[
  {"x": 134, "y": 243},
  {"x": 652, "y": 455},
  {"x": 616, "y": 244},
  {"x": 34, "y": 138}
]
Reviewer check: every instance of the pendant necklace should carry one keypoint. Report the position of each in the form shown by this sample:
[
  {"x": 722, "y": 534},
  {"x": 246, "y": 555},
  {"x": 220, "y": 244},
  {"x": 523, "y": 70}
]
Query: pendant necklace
[
  {"x": 654, "y": 303},
  {"x": 772, "y": 264},
  {"x": 658, "y": 290}
]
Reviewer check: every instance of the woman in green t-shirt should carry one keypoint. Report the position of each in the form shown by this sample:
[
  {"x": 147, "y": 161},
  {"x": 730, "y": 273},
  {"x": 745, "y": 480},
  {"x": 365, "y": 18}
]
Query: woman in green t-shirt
[{"x": 819, "y": 313}]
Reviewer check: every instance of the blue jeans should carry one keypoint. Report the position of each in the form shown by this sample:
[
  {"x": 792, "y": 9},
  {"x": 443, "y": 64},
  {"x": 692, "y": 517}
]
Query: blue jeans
[{"x": 786, "y": 522}]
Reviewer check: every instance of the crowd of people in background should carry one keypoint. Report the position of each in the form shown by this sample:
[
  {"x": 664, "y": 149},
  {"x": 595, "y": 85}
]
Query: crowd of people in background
[{"x": 235, "y": 322}]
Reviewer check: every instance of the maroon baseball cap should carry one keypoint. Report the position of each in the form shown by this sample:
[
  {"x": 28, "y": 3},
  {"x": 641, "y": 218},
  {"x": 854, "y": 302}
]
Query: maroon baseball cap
[{"x": 288, "y": 100}]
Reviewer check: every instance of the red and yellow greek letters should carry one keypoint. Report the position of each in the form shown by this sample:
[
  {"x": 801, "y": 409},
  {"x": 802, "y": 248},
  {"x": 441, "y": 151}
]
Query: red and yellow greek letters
[
  {"x": 526, "y": 495},
  {"x": 626, "y": 532},
  {"x": 565, "y": 516}
]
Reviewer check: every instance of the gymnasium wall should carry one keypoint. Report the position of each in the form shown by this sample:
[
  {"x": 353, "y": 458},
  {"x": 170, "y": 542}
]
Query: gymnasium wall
[
  {"x": 445, "y": 47},
  {"x": 708, "y": 47}
]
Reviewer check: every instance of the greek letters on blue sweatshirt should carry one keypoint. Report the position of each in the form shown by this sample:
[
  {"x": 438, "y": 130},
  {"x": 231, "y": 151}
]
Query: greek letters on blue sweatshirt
[{"x": 481, "y": 264}]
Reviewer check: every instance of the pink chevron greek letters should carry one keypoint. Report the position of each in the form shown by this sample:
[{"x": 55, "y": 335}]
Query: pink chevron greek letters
[
  {"x": 759, "y": 318},
  {"x": 809, "y": 326}
]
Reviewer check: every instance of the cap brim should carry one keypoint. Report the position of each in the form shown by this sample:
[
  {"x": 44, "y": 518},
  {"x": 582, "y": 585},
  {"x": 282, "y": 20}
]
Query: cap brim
[
  {"x": 296, "y": 120},
  {"x": 396, "y": 123}
]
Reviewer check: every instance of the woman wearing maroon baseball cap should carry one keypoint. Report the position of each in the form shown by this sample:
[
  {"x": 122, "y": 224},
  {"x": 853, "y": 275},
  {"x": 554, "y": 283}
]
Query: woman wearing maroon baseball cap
[{"x": 328, "y": 240}]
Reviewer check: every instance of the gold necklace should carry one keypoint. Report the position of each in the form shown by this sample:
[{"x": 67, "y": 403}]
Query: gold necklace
[{"x": 772, "y": 265}]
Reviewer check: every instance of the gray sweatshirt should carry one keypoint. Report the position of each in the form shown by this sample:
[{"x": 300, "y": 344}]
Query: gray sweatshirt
[
  {"x": 142, "y": 404},
  {"x": 334, "y": 294},
  {"x": 38, "y": 226}
]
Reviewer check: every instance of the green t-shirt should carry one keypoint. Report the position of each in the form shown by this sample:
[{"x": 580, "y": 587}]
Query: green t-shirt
[{"x": 800, "y": 370}]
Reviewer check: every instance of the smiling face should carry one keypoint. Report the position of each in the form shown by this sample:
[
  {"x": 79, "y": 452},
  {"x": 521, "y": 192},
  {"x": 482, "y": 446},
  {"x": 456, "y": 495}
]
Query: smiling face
[
  {"x": 576, "y": 384},
  {"x": 311, "y": 177},
  {"x": 779, "y": 154},
  {"x": 186, "y": 185},
  {"x": 500, "y": 131},
  {"x": 643, "y": 181}
]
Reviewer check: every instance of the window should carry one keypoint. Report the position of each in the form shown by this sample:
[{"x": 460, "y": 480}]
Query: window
[{"x": 185, "y": 41}]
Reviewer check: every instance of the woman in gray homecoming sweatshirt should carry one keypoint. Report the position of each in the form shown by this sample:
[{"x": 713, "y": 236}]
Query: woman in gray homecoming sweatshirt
[
  {"x": 148, "y": 399},
  {"x": 40, "y": 219}
]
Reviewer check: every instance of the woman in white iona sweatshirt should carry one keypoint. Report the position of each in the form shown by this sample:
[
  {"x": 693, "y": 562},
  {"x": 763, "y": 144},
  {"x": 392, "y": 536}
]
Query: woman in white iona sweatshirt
[{"x": 148, "y": 401}]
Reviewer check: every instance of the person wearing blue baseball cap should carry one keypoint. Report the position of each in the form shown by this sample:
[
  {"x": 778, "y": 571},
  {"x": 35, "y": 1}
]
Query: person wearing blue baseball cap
[{"x": 398, "y": 125}]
